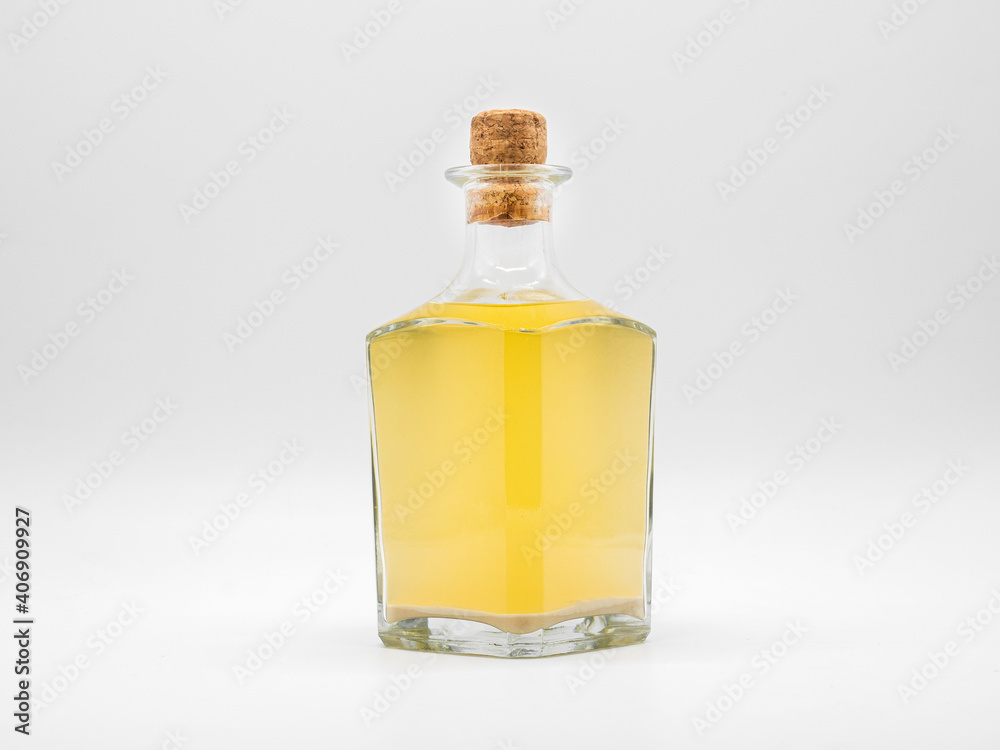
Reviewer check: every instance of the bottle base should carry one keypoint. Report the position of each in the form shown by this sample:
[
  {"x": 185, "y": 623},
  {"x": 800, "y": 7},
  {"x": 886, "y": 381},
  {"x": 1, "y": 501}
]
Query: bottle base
[{"x": 455, "y": 636}]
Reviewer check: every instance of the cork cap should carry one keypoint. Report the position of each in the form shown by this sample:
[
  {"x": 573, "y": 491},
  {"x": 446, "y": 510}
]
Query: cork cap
[
  {"x": 508, "y": 203},
  {"x": 508, "y": 136}
]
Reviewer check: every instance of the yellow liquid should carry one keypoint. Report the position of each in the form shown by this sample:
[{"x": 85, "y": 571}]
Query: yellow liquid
[{"x": 512, "y": 446}]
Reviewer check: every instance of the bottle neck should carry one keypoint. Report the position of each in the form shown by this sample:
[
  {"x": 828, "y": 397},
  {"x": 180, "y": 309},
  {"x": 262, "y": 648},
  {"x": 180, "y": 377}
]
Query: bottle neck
[{"x": 509, "y": 252}]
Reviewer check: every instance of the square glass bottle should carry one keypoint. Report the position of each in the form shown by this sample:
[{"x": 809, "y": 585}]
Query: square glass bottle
[{"x": 511, "y": 427}]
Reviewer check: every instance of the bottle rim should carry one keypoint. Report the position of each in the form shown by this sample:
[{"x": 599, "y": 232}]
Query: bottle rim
[{"x": 551, "y": 172}]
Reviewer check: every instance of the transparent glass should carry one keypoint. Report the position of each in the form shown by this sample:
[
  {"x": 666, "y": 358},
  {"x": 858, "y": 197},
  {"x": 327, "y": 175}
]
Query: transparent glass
[{"x": 511, "y": 424}]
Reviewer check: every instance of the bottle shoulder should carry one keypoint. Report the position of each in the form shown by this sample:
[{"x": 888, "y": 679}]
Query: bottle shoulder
[{"x": 519, "y": 317}]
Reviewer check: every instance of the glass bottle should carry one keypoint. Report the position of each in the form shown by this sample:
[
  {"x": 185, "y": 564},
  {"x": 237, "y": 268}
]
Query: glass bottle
[{"x": 511, "y": 426}]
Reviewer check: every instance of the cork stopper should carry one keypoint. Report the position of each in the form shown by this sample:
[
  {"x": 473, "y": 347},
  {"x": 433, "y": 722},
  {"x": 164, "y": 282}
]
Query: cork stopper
[
  {"x": 508, "y": 136},
  {"x": 508, "y": 202}
]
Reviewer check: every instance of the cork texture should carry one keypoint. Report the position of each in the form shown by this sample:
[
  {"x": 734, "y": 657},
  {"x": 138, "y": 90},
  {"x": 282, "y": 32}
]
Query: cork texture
[
  {"x": 507, "y": 202},
  {"x": 508, "y": 136}
]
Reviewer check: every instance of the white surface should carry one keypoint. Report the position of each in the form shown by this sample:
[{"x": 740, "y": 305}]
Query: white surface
[{"x": 294, "y": 379}]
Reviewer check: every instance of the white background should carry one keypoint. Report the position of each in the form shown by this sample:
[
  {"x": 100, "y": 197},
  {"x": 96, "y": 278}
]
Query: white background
[{"x": 685, "y": 125}]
